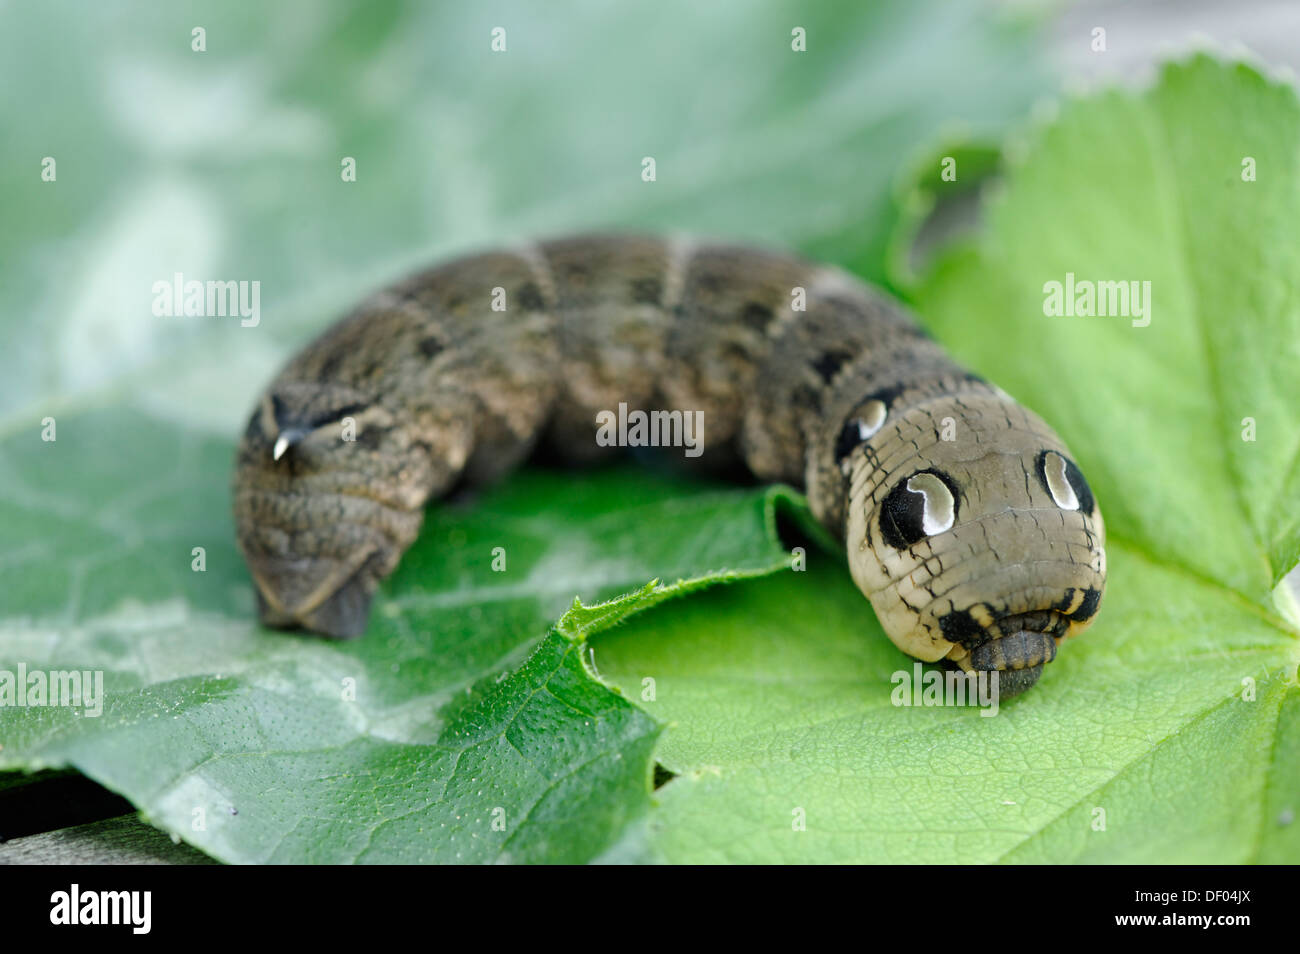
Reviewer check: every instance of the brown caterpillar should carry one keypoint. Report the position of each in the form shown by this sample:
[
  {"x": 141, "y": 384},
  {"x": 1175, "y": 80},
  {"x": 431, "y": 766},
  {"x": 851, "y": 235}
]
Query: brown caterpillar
[{"x": 966, "y": 522}]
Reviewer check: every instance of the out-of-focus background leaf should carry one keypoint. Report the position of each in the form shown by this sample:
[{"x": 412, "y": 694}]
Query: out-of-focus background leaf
[{"x": 225, "y": 164}]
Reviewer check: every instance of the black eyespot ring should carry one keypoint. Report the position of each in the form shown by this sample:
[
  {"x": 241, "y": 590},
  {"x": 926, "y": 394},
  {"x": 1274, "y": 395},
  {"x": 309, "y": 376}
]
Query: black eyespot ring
[
  {"x": 902, "y": 512},
  {"x": 1073, "y": 476},
  {"x": 851, "y": 433}
]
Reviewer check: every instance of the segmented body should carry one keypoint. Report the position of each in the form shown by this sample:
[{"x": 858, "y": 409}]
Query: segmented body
[{"x": 965, "y": 521}]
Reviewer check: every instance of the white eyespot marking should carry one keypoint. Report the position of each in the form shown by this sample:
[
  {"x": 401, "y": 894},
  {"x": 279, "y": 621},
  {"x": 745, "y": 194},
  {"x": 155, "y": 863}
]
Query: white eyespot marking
[
  {"x": 281, "y": 445},
  {"x": 1057, "y": 483},
  {"x": 858, "y": 431},
  {"x": 872, "y": 419},
  {"x": 940, "y": 509}
]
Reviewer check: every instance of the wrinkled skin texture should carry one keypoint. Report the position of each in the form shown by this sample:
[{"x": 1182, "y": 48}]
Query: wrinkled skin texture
[{"x": 965, "y": 520}]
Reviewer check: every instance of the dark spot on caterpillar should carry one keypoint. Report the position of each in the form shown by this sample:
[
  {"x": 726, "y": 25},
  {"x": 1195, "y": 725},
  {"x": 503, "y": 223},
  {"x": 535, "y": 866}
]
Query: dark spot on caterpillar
[
  {"x": 330, "y": 366},
  {"x": 736, "y": 351},
  {"x": 960, "y": 627},
  {"x": 902, "y": 513},
  {"x": 708, "y": 282},
  {"x": 756, "y": 315},
  {"x": 858, "y": 429},
  {"x": 828, "y": 363},
  {"x": 372, "y": 437},
  {"x": 1087, "y": 609},
  {"x": 430, "y": 346},
  {"x": 886, "y": 396},
  {"x": 1081, "y": 489},
  {"x": 901, "y": 517},
  {"x": 1074, "y": 476},
  {"x": 329, "y": 417},
  {"x": 575, "y": 270},
  {"x": 847, "y": 441},
  {"x": 663, "y": 776},
  {"x": 804, "y": 396},
  {"x": 647, "y": 291},
  {"x": 280, "y": 411},
  {"x": 529, "y": 297},
  {"x": 291, "y": 419}
]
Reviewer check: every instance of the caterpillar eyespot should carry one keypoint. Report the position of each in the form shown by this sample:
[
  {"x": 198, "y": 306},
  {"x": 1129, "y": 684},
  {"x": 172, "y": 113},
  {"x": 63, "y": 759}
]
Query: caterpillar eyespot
[
  {"x": 859, "y": 430},
  {"x": 1064, "y": 482},
  {"x": 980, "y": 550},
  {"x": 920, "y": 506}
]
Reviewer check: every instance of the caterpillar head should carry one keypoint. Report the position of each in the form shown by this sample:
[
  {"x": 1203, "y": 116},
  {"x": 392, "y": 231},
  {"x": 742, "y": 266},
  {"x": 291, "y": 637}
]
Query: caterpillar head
[
  {"x": 973, "y": 532},
  {"x": 326, "y": 501}
]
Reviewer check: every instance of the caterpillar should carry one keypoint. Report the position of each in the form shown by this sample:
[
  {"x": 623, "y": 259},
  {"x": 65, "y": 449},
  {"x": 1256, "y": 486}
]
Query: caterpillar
[{"x": 965, "y": 520}]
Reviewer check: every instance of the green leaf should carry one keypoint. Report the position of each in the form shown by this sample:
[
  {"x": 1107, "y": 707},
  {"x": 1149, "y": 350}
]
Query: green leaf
[
  {"x": 399, "y": 746},
  {"x": 1177, "y": 715},
  {"x": 225, "y": 164},
  {"x": 775, "y": 711}
]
